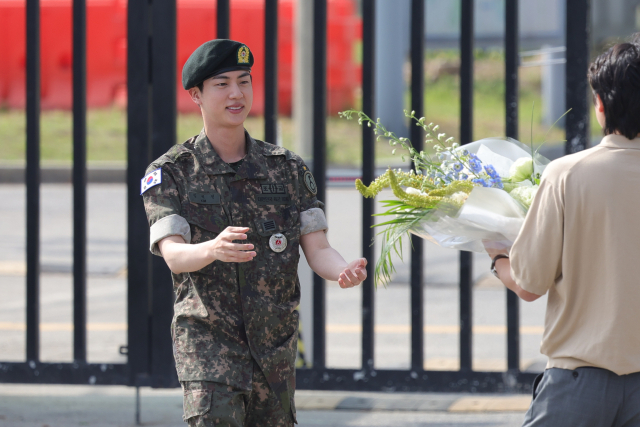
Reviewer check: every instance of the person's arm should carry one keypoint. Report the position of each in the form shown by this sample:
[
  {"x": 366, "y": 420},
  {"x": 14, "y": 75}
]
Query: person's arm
[
  {"x": 503, "y": 269},
  {"x": 329, "y": 264},
  {"x": 185, "y": 258}
]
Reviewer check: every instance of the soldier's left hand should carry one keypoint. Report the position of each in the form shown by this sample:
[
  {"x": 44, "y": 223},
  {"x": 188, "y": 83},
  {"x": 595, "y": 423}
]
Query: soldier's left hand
[{"x": 354, "y": 274}]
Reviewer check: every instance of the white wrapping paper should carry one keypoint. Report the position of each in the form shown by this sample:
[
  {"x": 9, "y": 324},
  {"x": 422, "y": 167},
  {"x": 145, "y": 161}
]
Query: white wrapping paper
[{"x": 489, "y": 216}]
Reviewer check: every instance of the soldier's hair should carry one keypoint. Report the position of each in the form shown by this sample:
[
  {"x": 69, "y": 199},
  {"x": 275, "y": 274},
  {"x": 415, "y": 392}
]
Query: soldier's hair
[{"x": 615, "y": 77}]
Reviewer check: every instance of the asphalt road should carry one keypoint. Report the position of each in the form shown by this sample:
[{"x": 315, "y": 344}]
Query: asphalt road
[{"x": 107, "y": 289}]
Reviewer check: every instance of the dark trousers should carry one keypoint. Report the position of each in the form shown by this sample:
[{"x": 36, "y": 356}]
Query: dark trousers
[{"x": 584, "y": 397}]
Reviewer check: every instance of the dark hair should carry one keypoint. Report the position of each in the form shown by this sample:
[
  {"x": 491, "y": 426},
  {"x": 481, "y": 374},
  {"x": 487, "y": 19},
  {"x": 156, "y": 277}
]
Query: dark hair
[{"x": 615, "y": 76}]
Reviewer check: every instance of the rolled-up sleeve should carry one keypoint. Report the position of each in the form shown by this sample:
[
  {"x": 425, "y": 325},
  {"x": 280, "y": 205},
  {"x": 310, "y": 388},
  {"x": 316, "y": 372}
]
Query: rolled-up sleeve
[
  {"x": 313, "y": 220},
  {"x": 162, "y": 206},
  {"x": 172, "y": 225},
  {"x": 312, "y": 217}
]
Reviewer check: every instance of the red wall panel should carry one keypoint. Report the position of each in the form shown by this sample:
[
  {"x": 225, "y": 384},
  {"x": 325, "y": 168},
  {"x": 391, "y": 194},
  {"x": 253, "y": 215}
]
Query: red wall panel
[{"x": 196, "y": 23}]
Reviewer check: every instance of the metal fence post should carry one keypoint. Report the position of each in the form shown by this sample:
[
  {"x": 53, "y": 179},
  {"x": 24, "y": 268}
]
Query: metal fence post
[
  {"x": 222, "y": 19},
  {"x": 511, "y": 103},
  {"x": 319, "y": 164},
  {"x": 138, "y": 158},
  {"x": 79, "y": 181},
  {"x": 577, "y": 89},
  {"x": 466, "y": 136},
  {"x": 163, "y": 137},
  {"x": 368, "y": 166},
  {"x": 271, "y": 71},
  {"x": 417, "y": 140},
  {"x": 32, "y": 179}
]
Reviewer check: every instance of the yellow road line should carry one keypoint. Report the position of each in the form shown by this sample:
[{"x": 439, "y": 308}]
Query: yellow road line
[
  {"x": 331, "y": 328},
  {"x": 432, "y": 329},
  {"x": 62, "y": 327}
]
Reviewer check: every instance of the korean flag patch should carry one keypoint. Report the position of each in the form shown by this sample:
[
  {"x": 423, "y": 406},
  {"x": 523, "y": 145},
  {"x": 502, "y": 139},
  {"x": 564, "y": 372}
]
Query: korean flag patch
[{"x": 150, "y": 180}]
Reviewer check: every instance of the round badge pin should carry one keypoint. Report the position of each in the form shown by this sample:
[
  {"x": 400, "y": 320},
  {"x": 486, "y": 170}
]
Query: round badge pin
[
  {"x": 278, "y": 242},
  {"x": 310, "y": 183}
]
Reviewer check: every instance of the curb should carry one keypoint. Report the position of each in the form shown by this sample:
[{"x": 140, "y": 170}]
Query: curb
[{"x": 412, "y": 402}]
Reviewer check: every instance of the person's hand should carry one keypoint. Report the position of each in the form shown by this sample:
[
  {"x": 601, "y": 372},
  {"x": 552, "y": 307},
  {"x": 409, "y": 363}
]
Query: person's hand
[
  {"x": 492, "y": 251},
  {"x": 222, "y": 247},
  {"x": 354, "y": 274}
]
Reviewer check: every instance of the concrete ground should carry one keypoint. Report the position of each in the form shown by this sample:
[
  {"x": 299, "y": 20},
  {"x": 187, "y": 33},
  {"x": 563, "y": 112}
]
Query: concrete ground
[{"x": 111, "y": 406}]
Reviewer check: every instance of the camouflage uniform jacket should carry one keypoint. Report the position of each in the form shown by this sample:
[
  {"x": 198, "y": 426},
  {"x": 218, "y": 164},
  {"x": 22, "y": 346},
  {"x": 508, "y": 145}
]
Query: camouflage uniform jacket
[{"x": 228, "y": 313}]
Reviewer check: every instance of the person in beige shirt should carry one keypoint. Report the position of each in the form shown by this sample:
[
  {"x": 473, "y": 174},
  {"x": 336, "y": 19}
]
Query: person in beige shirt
[{"x": 580, "y": 245}]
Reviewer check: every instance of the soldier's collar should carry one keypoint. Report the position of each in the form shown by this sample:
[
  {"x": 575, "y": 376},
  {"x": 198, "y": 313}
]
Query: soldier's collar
[
  {"x": 211, "y": 163},
  {"x": 253, "y": 166}
]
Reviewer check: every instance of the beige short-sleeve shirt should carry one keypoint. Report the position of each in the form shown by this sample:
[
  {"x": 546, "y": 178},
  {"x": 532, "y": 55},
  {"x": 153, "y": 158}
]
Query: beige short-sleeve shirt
[{"x": 580, "y": 242}]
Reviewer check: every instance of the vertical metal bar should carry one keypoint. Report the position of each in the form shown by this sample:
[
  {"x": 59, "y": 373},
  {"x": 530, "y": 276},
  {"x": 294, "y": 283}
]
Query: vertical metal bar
[
  {"x": 511, "y": 103},
  {"x": 163, "y": 137},
  {"x": 368, "y": 165},
  {"x": 137, "y": 416},
  {"x": 578, "y": 36},
  {"x": 32, "y": 179},
  {"x": 466, "y": 135},
  {"x": 222, "y": 19},
  {"x": 271, "y": 71},
  {"x": 417, "y": 139},
  {"x": 319, "y": 164},
  {"x": 139, "y": 157},
  {"x": 79, "y": 182}
]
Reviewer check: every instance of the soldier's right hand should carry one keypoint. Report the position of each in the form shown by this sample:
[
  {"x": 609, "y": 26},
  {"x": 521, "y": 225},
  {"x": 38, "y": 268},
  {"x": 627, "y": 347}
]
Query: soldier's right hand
[{"x": 222, "y": 247}]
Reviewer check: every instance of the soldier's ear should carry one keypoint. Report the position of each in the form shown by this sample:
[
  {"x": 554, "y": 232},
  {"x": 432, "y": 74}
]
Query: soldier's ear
[{"x": 194, "y": 93}]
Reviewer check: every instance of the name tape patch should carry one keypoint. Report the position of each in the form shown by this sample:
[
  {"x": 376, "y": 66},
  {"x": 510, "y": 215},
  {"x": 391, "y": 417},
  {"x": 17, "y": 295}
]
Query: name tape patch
[
  {"x": 150, "y": 180},
  {"x": 273, "y": 188},
  {"x": 204, "y": 198},
  {"x": 274, "y": 199}
]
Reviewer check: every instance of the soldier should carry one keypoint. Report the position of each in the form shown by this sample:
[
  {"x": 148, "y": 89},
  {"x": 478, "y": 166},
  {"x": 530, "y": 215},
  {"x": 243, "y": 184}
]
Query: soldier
[{"x": 228, "y": 214}]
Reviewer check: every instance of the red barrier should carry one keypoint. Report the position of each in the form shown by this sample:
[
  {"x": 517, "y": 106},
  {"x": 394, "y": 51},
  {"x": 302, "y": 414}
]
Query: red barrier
[{"x": 107, "y": 50}]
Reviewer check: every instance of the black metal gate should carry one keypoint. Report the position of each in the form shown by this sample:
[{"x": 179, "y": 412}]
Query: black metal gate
[{"x": 152, "y": 131}]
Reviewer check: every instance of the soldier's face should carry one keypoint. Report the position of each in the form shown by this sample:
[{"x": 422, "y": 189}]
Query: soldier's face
[{"x": 226, "y": 99}]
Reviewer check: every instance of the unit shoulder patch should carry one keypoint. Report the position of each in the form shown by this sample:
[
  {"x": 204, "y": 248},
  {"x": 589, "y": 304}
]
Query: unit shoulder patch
[
  {"x": 151, "y": 179},
  {"x": 310, "y": 183}
]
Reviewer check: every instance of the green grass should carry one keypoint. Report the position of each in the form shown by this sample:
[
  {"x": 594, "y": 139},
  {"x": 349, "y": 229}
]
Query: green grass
[{"x": 106, "y": 128}]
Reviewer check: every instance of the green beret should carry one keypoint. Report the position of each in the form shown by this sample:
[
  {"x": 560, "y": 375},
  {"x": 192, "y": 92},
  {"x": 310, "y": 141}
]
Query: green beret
[{"x": 215, "y": 57}]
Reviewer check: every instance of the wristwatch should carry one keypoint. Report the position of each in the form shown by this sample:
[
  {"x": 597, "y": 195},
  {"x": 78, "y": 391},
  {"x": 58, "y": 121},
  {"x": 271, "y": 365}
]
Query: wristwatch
[{"x": 493, "y": 263}]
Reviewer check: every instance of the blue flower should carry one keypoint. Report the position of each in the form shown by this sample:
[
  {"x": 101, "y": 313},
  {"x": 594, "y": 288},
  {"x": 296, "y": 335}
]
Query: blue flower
[
  {"x": 491, "y": 171},
  {"x": 465, "y": 152},
  {"x": 463, "y": 176},
  {"x": 473, "y": 156},
  {"x": 480, "y": 181},
  {"x": 457, "y": 166},
  {"x": 475, "y": 165},
  {"x": 496, "y": 183}
]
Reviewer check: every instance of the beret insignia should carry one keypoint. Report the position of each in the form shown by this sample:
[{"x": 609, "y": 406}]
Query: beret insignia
[{"x": 243, "y": 55}]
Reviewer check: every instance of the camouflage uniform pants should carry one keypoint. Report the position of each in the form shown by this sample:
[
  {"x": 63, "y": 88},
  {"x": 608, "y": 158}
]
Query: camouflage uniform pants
[{"x": 209, "y": 404}]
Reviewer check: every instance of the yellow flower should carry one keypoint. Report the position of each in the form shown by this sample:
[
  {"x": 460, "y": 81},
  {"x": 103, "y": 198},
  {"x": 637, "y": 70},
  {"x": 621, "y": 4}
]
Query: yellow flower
[{"x": 427, "y": 199}]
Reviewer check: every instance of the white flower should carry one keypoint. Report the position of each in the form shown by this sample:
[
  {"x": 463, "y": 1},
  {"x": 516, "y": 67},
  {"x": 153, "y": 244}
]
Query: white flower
[
  {"x": 459, "y": 197},
  {"x": 524, "y": 194},
  {"x": 521, "y": 169},
  {"x": 411, "y": 190}
]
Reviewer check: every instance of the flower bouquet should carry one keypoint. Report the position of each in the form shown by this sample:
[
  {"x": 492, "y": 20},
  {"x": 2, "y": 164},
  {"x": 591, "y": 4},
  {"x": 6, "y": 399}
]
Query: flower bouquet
[{"x": 460, "y": 197}]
